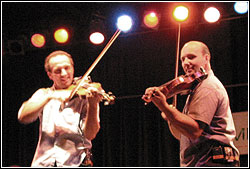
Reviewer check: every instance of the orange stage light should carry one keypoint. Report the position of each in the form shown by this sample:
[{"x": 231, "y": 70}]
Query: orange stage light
[{"x": 38, "y": 40}]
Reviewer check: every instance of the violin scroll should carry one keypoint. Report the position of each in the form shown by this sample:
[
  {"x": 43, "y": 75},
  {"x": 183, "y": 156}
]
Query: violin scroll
[{"x": 109, "y": 98}]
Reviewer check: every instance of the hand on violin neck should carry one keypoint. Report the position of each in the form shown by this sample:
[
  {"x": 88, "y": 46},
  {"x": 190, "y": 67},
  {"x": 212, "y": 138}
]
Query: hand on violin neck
[
  {"x": 159, "y": 99},
  {"x": 94, "y": 97},
  {"x": 149, "y": 93},
  {"x": 154, "y": 94}
]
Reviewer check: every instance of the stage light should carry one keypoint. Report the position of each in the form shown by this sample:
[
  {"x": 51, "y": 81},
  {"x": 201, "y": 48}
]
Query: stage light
[
  {"x": 97, "y": 29},
  {"x": 180, "y": 13},
  {"x": 38, "y": 40},
  {"x": 61, "y": 35},
  {"x": 241, "y": 7},
  {"x": 96, "y": 38},
  {"x": 212, "y": 15},
  {"x": 124, "y": 23},
  {"x": 151, "y": 20}
]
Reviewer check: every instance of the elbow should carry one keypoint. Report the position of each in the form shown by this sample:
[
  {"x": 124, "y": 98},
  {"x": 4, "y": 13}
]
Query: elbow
[
  {"x": 198, "y": 130},
  {"x": 195, "y": 135},
  {"x": 92, "y": 135},
  {"x": 23, "y": 120},
  {"x": 23, "y": 115},
  {"x": 26, "y": 119},
  {"x": 20, "y": 118}
]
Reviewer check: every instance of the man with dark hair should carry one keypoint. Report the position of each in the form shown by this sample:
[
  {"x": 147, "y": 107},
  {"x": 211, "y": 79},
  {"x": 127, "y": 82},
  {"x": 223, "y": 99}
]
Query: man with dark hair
[{"x": 65, "y": 134}]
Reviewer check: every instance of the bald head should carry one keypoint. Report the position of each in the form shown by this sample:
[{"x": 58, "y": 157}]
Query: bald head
[
  {"x": 199, "y": 46},
  {"x": 194, "y": 55}
]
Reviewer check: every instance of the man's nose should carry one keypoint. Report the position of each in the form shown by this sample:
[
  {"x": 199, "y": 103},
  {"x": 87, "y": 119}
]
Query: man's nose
[
  {"x": 63, "y": 72},
  {"x": 185, "y": 62}
]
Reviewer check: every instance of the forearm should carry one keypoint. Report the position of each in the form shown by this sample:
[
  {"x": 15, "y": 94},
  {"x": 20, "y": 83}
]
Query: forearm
[
  {"x": 92, "y": 124},
  {"x": 30, "y": 109},
  {"x": 175, "y": 132},
  {"x": 181, "y": 122}
]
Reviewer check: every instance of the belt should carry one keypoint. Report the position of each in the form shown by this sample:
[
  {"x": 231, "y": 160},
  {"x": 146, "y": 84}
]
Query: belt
[{"x": 224, "y": 152}]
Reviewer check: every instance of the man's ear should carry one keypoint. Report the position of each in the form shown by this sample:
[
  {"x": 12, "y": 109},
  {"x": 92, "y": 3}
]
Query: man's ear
[
  {"x": 49, "y": 75},
  {"x": 207, "y": 57}
]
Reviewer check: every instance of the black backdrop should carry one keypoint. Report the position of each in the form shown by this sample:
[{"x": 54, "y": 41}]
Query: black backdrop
[{"x": 131, "y": 134}]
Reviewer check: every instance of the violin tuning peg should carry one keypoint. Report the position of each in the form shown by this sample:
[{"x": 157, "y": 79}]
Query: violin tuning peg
[
  {"x": 106, "y": 103},
  {"x": 202, "y": 70},
  {"x": 111, "y": 94}
]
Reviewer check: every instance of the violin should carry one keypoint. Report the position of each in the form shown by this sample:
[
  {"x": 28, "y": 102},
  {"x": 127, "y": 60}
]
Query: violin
[
  {"x": 85, "y": 90},
  {"x": 183, "y": 84}
]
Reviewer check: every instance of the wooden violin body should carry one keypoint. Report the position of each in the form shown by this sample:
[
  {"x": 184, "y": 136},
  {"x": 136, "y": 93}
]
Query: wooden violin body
[
  {"x": 183, "y": 84},
  {"x": 87, "y": 87}
]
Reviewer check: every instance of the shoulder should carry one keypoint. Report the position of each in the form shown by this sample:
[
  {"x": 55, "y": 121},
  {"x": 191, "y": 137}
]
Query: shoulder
[
  {"x": 211, "y": 82},
  {"x": 211, "y": 86},
  {"x": 41, "y": 92}
]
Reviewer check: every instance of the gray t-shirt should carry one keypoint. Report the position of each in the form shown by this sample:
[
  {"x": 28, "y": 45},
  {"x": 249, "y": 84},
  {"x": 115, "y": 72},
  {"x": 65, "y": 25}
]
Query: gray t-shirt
[{"x": 208, "y": 104}]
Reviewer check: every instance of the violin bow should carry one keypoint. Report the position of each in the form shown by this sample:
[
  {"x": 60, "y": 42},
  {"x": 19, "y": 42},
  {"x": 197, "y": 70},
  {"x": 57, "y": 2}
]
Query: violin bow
[
  {"x": 112, "y": 39},
  {"x": 177, "y": 62}
]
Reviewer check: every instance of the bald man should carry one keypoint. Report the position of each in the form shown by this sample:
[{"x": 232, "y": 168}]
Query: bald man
[{"x": 205, "y": 127}]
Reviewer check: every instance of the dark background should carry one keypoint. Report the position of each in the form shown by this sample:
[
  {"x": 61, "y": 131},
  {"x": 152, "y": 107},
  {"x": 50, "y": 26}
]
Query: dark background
[{"x": 131, "y": 134}]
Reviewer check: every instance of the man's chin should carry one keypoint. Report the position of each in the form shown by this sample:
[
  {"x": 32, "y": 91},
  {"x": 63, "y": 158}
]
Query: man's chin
[{"x": 65, "y": 85}]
